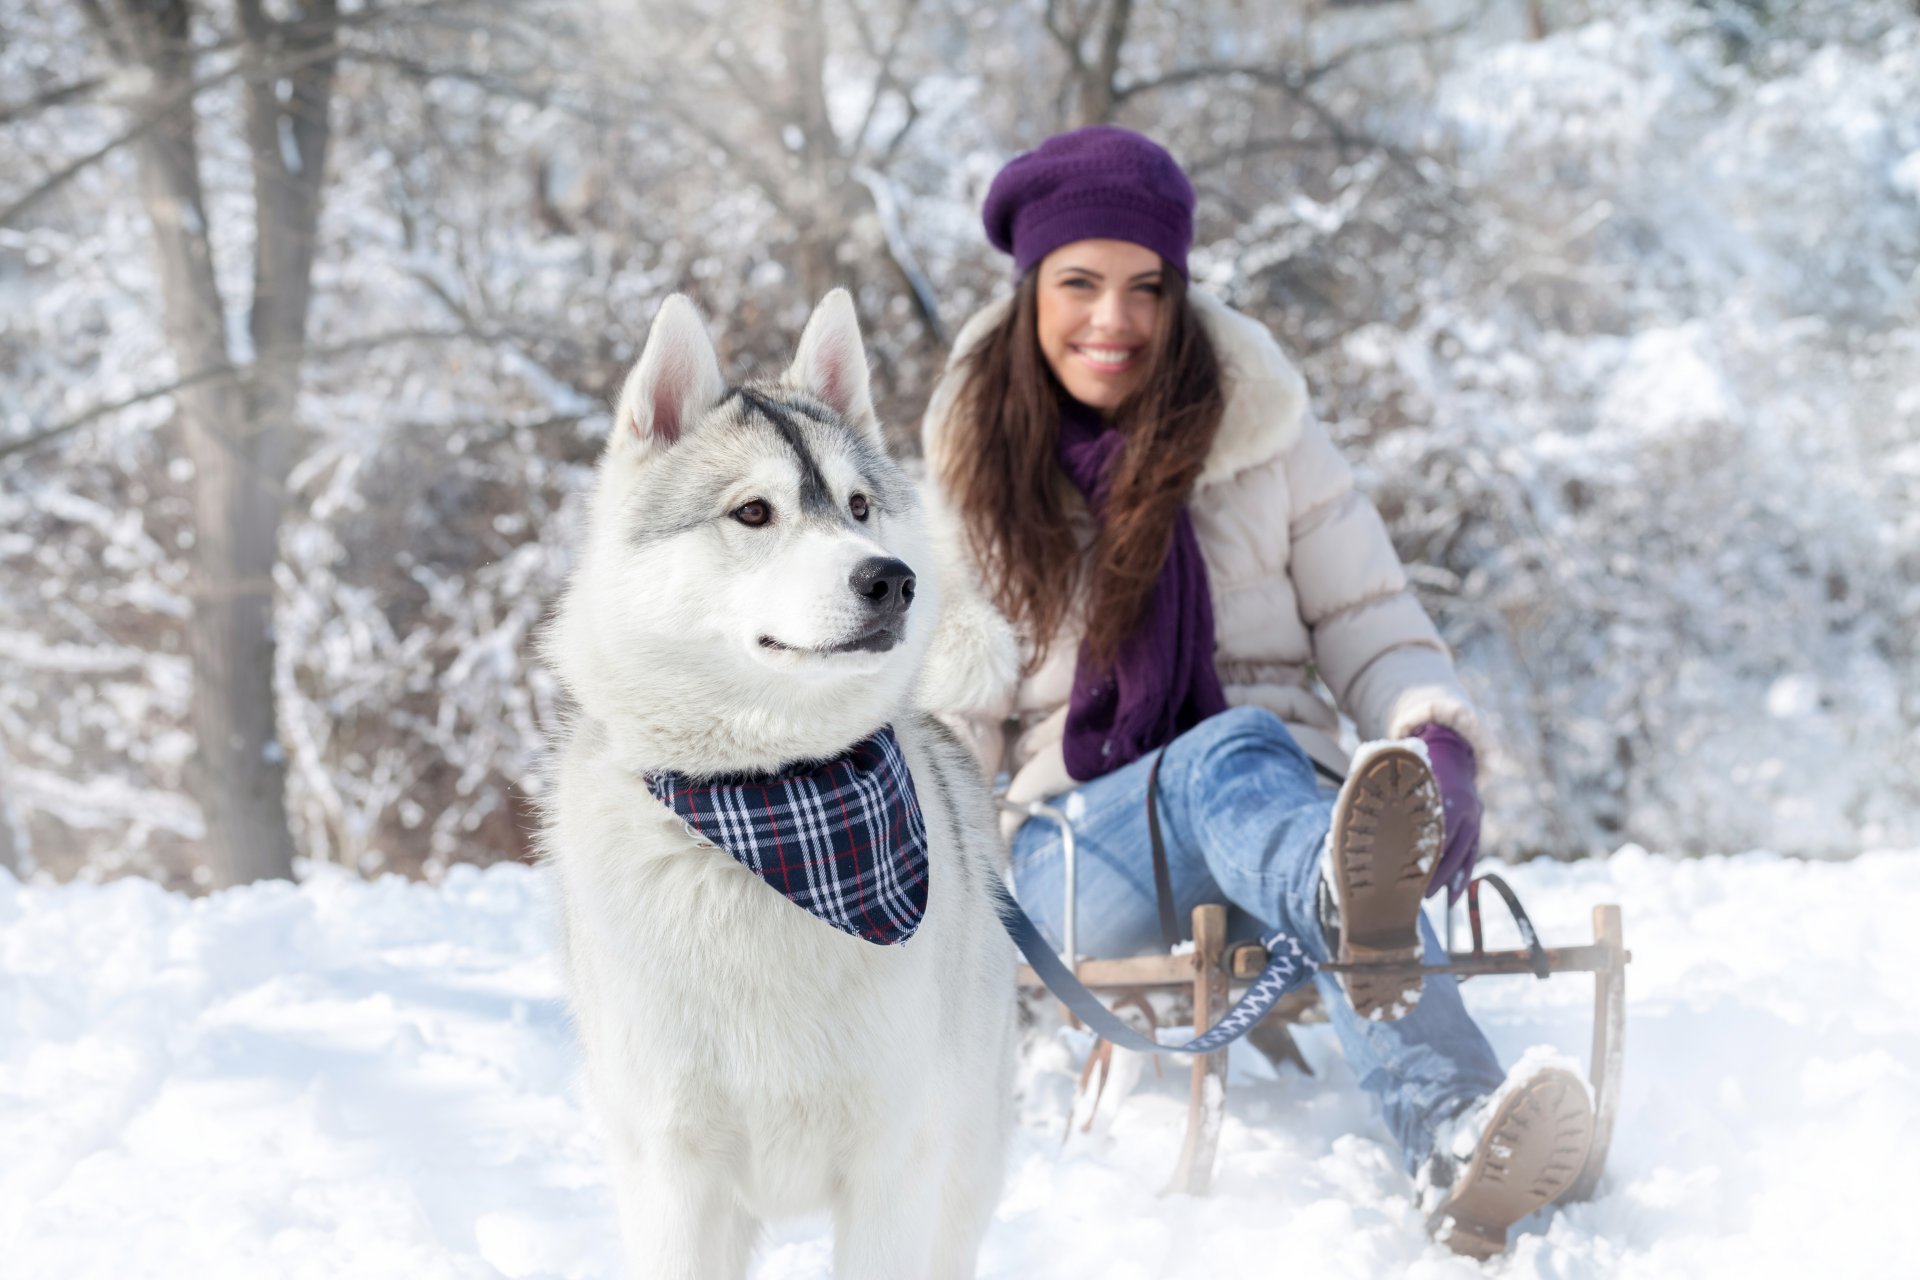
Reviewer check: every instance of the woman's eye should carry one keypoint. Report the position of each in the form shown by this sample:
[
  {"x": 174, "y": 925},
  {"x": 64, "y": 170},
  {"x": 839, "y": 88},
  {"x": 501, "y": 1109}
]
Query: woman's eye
[
  {"x": 858, "y": 505},
  {"x": 753, "y": 514}
]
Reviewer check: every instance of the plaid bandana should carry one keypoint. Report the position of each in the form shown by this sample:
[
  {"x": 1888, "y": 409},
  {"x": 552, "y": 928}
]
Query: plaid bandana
[{"x": 843, "y": 839}]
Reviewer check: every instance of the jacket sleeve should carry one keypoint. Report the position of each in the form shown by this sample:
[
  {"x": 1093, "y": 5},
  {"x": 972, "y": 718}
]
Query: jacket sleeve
[{"x": 1373, "y": 644}]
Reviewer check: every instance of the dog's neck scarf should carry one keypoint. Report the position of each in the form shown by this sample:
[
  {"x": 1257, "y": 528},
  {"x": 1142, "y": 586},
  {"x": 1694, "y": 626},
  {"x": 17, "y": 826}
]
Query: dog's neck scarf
[{"x": 844, "y": 838}]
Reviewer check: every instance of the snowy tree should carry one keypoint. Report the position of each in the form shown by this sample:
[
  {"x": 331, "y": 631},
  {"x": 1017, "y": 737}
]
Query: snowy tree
[{"x": 1613, "y": 308}]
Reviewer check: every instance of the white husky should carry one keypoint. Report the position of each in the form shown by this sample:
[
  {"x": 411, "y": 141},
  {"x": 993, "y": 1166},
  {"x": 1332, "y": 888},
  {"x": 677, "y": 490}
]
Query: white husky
[{"x": 748, "y": 1059}]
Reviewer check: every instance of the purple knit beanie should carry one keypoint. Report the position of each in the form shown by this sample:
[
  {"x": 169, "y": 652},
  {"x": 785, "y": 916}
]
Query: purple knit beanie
[{"x": 1096, "y": 183}]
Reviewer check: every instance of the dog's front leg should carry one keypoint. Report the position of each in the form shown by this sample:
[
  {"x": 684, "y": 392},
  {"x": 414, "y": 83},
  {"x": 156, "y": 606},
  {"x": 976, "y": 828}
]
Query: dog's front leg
[
  {"x": 885, "y": 1217},
  {"x": 678, "y": 1219}
]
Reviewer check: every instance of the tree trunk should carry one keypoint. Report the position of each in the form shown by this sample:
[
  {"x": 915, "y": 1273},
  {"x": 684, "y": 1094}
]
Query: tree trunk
[
  {"x": 823, "y": 206},
  {"x": 238, "y": 433},
  {"x": 9, "y": 852},
  {"x": 1099, "y": 88},
  {"x": 288, "y": 136},
  {"x": 1091, "y": 90}
]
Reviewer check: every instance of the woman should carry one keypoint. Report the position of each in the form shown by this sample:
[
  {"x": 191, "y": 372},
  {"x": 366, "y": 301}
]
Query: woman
[{"x": 1183, "y": 552}]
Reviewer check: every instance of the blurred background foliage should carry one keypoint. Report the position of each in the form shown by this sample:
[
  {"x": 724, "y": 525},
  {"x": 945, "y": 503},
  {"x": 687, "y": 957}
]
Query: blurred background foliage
[{"x": 1615, "y": 307}]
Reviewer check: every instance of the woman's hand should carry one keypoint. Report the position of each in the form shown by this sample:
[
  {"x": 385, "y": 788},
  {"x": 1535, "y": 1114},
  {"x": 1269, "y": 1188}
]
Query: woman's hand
[{"x": 1451, "y": 758}]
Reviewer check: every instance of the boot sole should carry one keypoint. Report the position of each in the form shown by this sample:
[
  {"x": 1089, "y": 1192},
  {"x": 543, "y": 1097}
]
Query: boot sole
[
  {"x": 1387, "y": 836},
  {"x": 1534, "y": 1147}
]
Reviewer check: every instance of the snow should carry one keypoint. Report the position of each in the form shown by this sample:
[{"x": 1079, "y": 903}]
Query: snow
[{"x": 345, "y": 1078}]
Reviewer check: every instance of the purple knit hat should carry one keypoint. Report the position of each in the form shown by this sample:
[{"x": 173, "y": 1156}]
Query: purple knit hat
[{"x": 1096, "y": 183}]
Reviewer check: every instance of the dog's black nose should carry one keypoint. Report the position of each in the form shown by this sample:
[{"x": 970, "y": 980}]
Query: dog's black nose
[{"x": 886, "y": 583}]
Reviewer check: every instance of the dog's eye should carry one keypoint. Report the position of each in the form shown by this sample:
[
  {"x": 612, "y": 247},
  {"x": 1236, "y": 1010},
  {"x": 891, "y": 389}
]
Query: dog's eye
[
  {"x": 753, "y": 514},
  {"x": 858, "y": 505}
]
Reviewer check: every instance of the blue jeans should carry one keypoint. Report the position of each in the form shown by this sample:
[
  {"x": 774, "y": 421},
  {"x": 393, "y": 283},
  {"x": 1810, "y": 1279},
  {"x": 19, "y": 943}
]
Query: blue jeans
[{"x": 1245, "y": 818}]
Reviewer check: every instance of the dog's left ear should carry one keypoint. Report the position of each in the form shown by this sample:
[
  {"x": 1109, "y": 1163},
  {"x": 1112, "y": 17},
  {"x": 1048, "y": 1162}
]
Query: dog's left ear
[
  {"x": 675, "y": 381},
  {"x": 832, "y": 364}
]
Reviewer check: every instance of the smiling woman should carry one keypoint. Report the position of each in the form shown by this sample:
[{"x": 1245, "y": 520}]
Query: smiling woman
[{"x": 1187, "y": 560}]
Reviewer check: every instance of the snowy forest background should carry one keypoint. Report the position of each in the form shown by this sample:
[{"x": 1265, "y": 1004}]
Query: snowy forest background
[{"x": 1615, "y": 306}]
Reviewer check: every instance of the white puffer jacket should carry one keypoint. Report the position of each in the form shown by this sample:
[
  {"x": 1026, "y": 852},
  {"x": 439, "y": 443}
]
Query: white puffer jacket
[{"x": 1303, "y": 575}]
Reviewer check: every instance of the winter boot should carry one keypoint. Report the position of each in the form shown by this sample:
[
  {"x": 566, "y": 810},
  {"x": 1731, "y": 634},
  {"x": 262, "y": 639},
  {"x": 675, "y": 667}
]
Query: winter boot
[
  {"x": 1505, "y": 1157},
  {"x": 1386, "y": 837}
]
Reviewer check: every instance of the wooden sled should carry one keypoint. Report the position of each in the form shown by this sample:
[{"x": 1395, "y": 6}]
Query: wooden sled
[{"x": 1213, "y": 966}]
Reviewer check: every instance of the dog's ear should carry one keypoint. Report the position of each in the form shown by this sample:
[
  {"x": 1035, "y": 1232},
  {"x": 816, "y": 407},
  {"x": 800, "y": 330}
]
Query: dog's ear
[
  {"x": 676, "y": 379},
  {"x": 832, "y": 364}
]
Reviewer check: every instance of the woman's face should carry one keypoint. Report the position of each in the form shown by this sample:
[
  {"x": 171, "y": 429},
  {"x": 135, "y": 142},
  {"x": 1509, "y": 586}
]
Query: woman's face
[{"x": 1098, "y": 307}]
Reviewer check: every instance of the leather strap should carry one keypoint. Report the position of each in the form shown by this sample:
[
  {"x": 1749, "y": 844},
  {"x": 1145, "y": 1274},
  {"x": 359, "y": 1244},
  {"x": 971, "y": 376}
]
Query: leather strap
[{"x": 1170, "y": 931}]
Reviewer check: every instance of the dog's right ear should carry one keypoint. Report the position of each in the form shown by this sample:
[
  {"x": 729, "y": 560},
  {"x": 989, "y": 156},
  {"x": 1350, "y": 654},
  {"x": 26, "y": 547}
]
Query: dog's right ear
[{"x": 676, "y": 379}]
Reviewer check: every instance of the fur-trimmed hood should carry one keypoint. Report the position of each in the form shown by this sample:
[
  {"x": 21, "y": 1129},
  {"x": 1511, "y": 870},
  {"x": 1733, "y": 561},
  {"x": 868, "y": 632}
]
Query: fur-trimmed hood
[{"x": 1266, "y": 396}]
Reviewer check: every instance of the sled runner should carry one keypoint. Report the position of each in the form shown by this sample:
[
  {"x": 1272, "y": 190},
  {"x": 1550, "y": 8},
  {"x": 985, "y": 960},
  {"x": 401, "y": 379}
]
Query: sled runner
[{"x": 1213, "y": 965}]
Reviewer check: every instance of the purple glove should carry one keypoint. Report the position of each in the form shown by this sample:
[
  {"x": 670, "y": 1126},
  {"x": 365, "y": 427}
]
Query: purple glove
[{"x": 1451, "y": 757}]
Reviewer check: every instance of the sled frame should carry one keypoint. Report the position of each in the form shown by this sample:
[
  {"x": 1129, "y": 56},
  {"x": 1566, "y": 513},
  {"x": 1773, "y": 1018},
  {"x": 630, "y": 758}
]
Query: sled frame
[{"x": 1213, "y": 966}]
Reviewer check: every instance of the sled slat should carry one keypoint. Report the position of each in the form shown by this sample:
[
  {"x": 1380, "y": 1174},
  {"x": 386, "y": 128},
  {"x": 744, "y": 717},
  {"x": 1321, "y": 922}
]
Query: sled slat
[
  {"x": 1609, "y": 1037},
  {"x": 1131, "y": 971},
  {"x": 1206, "y": 1106}
]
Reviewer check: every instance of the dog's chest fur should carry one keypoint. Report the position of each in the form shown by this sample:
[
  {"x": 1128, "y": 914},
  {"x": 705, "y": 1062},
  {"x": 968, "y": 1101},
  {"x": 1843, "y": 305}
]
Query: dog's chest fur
[{"x": 723, "y": 1010}]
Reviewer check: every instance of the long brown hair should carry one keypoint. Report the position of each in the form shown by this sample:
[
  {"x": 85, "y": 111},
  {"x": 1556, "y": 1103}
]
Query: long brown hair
[{"x": 1016, "y": 502}]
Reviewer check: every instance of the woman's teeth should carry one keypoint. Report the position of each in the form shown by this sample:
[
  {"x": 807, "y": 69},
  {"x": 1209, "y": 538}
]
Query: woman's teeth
[{"x": 1106, "y": 359}]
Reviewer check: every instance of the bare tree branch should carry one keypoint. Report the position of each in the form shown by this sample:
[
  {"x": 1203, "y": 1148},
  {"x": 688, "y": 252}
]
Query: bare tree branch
[
  {"x": 157, "y": 114},
  {"x": 1253, "y": 147},
  {"x": 749, "y": 168},
  {"x": 200, "y": 377},
  {"x": 889, "y": 152},
  {"x": 1106, "y": 70},
  {"x": 48, "y": 99},
  {"x": 883, "y": 78},
  {"x": 1069, "y": 41},
  {"x": 514, "y": 89},
  {"x": 1387, "y": 44},
  {"x": 1259, "y": 72},
  {"x": 1286, "y": 77},
  {"x": 900, "y": 251},
  {"x": 107, "y": 29}
]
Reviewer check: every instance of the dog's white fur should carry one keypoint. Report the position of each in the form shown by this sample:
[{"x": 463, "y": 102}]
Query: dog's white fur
[{"x": 748, "y": 1060}]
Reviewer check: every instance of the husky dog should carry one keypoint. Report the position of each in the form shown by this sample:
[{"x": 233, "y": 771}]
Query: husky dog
[{"x": 756, "y": 590}]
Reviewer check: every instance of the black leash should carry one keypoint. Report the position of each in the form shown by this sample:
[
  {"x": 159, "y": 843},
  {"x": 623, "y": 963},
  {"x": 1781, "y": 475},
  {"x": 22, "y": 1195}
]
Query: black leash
[
  {"x": 1170, "y": 931},
  {"x": 1287, "y": 968}
]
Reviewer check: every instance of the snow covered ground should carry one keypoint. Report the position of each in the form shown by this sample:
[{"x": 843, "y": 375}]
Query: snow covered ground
[{"x": 344, "y": 1079}]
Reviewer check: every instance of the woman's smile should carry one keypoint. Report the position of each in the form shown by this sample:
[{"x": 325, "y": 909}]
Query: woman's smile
[{"x": 1108, "y": 360}]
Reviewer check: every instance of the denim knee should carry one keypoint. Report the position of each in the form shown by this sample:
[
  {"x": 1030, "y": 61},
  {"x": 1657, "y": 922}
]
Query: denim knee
[
  {"x": 1239, "y": 737},
  {"x": 1238, "y": 728}
]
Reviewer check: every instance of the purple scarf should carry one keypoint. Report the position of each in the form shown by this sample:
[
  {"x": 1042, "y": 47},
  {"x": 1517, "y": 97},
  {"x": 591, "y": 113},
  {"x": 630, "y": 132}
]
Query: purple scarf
[{"x": 1163, "y": 682}]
